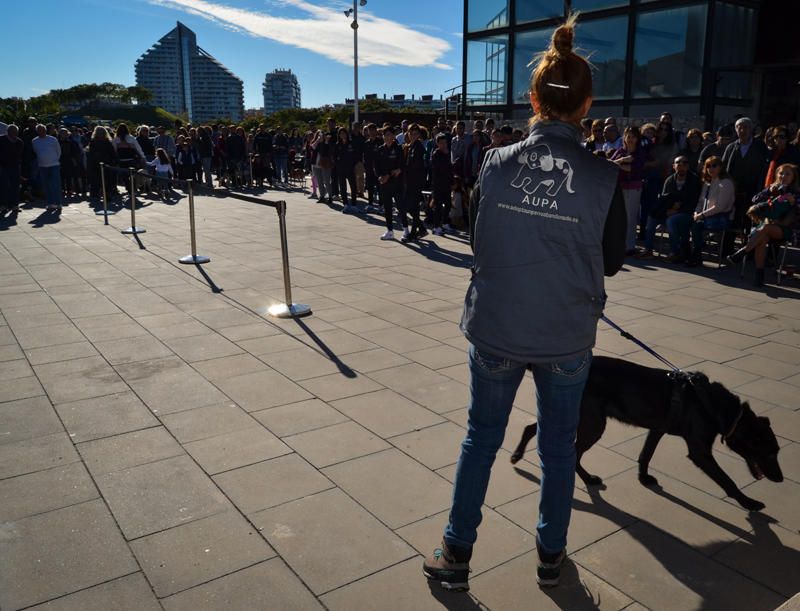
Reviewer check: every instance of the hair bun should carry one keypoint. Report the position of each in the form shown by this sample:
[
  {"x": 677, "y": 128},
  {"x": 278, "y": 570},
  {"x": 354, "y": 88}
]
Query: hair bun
[{"x": 562, "y": 39}]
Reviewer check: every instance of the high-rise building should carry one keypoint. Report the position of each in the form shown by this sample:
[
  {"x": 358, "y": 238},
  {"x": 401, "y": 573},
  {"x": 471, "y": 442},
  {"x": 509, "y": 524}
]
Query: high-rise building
[
  {"x": 703, "y": 60},
  {"x": 281, "y": 91},
  {"x": 184, "y": 78}
]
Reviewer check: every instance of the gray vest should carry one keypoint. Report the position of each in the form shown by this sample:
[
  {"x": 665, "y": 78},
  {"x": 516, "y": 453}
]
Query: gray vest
[{"x": 537, "y": 289}]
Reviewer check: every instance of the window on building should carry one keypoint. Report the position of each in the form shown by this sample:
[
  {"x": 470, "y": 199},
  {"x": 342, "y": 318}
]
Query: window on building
[
  {"x": 487, "y": 14},
  {"x": 533, "y": 10},
  {"x": 593, "y": 5},
  {"x": 733, "y": 84},
  {"x": 526, "y": 46},
  {"x": 604, "y": 41},
  {"x": 668, "y": 52},
  {"x": 487, "y": 70},
  {"x": 733, "y": 38}
]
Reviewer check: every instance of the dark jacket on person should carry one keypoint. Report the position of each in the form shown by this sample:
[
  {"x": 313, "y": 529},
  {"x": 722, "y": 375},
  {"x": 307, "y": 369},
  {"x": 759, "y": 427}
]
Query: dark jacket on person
[
  {"x": 710, "y": 150},
  {"x": 358, "y": 143},
  {"x": 262, "y": 143},
  {"x": 671, "y": 194},
  {"x": 441, "y": 171},
  {"x": 345, "y": 157},
  {"x": 186, "y": 156},
  {"x": 101, "y": 151},
  {"x": 370, "y": 147},
  {"x": 146, "y": 144},
  {"x": 205, "y": 146},
  {"x": 388, "y": 159},
  {"x": 415, "y": 171},
  {"x": 11, "y": 153},
  {"x": 540, "y": 250},
  {"x": 747, "y": 172},
  {"x": 235, "y": 148}
]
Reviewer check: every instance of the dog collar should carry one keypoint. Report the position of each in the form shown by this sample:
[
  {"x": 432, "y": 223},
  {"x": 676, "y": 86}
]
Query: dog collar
[{"x": 733, "y": 427}]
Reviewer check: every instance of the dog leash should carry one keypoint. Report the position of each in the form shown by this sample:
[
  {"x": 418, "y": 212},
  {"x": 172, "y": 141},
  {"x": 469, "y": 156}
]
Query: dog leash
[{"x": 640, "y": 343}]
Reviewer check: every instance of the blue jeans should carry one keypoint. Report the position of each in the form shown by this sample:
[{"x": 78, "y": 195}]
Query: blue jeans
[
  {"x": 51, "y": 181},
  {"x": 494, "y": 383},
  {"x": 718, "y": 222},
  {"x": 281, "y": 168}
]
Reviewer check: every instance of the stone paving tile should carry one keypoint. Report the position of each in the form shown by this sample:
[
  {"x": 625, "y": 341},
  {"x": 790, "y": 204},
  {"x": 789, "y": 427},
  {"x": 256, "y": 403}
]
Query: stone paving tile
[
  {"x": 340, "y": 385},
  {"x": 48, "y": 335},
  {"x": 386, "y": 413},
  {"x": 160, "y": 495},
  {"x": 408, "y": 376},
  {"x": 272, "y": 482},
  {"x": 44, "y": 491},
  {"x": 260, "y": 346},
  {"x": 403, "y": 585},
  {"x": 301, "y": 363},
  {"x": 502, "y": 588},
  {"x": 440, "y": 397},
  {"x": 103, "y": 332},
  {"x": 236, "y": 449},
  {"x": 652, "y": 567},
  {"x": 202, "y": 347},
  {"x": 336, "y": 443},
  {"x": 129, "y": 593},
  {"x": 768, "y": 556},
  {"x": 225, "y": 367},
  {"x": 22, "y": 388},
  {"x": 37, "y": 454},
  {"x": 252, "y": 330},
  {"x": 62, "y": 352},
  {"x": 420, "y": 495},
  {"x": 437, "y": 357},
  {"x": 299, "y": 417},
  {"x": 169, "y": 385},
  {"x": 782, "y": 501},
  {"x": 765, "y": 367},
  {"x": 248, "y": 390},
  {"x": 132, "y": 349},
  {"x": 785, "y": 423},
  {"x": 398, "y": 339},
  {"x": 194, "y": 553},
  {"x": 374, "y": 360},
  {"x": 60, "y": 552},
  {"x": 128, "y": 450},
  {"x": 10, "y": 352},
  {"x": 435, "y": 447},
  {"x": 356, "y": 544},
  {"x": 104, "y": 416},
  {"x": 27, "y": 418},
  {"x": 12, "y": 370},
  {"x": 205, "y": 422},
  {"x": 270, "y": 586},
  {"x": 85, "y": 378}
]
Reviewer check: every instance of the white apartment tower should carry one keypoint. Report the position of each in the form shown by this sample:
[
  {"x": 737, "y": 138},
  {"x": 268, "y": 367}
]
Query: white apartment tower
[
  {"x": 184, "y": 78},
  {"x": 281, "y": 91}
]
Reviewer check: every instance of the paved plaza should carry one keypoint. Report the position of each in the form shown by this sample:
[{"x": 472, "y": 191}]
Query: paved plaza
[{"x": 163, "y": 444}]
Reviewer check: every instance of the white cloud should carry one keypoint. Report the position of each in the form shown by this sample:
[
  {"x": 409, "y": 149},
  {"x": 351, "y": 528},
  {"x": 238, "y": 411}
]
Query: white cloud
[{"x": 327, "y": 32}]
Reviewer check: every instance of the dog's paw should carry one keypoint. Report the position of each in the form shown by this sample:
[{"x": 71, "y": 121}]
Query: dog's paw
[
  {"x": 593, "y": 480},
  {"x": 751, "y": 504},
  {"x": 648, "y": 480}
]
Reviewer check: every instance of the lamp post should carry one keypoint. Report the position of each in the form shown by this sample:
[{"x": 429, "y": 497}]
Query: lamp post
[{"x": 354, "y": 12}]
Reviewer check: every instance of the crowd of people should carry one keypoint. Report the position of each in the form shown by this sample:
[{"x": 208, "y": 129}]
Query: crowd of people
[{"x": 688, "y": 184}]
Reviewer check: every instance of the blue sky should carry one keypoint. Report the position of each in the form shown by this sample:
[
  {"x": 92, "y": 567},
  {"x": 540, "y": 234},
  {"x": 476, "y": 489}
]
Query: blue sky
[{"x": 405, "y": 46}]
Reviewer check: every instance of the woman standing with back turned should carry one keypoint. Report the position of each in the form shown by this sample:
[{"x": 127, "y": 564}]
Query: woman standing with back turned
[{"x": 549, "y": 222}]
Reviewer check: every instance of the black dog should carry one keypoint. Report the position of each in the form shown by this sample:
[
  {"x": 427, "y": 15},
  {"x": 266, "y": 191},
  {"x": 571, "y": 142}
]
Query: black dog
[{"x": 684, "y": 404}]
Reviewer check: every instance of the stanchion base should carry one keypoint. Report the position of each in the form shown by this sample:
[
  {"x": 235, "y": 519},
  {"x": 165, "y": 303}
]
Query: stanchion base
[
  {"x": 101, "y": 213},
  {"x": 133, "y": 230},
  {"x": 296, "y": 310},
  {"x": 194, "y": 260}
]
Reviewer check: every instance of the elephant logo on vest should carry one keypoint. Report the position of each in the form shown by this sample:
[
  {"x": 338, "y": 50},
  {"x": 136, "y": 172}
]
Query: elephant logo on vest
[{"x": 540, "y": 169}]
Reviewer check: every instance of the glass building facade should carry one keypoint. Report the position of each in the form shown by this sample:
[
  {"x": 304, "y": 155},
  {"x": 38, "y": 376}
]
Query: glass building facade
[{"x": 692, "y": 58}]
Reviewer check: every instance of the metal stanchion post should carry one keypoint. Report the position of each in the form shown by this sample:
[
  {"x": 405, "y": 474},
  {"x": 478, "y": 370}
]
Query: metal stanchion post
[
  {"x": 133, "y": 228},
  {"x": 194, "y": 257},
  {"x": 288, "y": 309},
  {"x": 105, "y": 193}
]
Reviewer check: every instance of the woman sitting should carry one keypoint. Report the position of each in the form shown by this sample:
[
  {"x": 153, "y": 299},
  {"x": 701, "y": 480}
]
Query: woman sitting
[
  {"x": 773, "y": 213},
  {"x": 714, "y": 207}
]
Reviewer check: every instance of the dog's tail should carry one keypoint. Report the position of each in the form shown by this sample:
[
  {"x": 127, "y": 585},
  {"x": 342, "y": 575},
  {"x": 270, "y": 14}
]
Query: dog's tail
[{"x": 528, "y": 433}]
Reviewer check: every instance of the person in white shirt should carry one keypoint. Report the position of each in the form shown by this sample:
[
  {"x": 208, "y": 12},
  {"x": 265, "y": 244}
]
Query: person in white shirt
[{"x": 48, "y": 159}]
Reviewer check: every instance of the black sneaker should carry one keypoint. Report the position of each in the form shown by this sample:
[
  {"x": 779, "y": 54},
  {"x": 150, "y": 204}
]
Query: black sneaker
[
  {"x": 452, "y": 573},
  {"x": 548, "y": 571}
]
